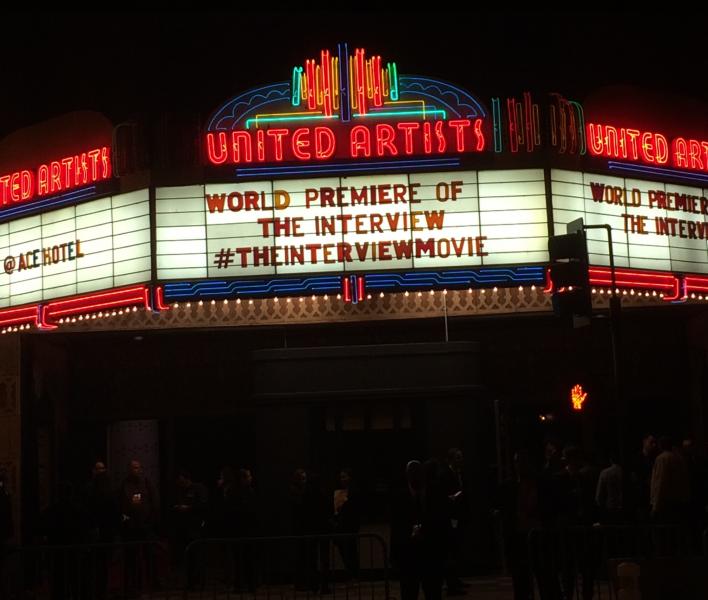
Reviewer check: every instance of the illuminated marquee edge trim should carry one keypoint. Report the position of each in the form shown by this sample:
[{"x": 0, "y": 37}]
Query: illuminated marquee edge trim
[
  {"x": 670, "y": 287},
  {"x": 49, "y": 314},
  {"x": 389, "y": 282}
]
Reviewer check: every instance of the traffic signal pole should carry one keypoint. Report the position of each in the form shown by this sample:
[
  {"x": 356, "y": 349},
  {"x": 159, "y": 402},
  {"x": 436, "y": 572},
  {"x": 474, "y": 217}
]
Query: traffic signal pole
[{"x": 615, "y": 312}]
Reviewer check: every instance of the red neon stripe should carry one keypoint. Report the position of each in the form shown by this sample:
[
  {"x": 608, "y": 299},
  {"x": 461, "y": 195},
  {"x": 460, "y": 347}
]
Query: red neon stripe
[
  {"x": 17, "y": 316},
  {"x": 326, "y": 83},
  {"x": 378, "y": 95},
  {"x": 347, "y": 289},
  {"x": 311, "y": 84},
  {"x": 528, "y": 116},
  {"x": 160, "y": 298},
  {"x": 146, "y": 298},
  {"x": 677, "y": 292},
  {"x": 361, "y": 80},
  {"x": 360, "y": 287},
  {"x": 513, "y": 125},
  {"x": 549, "y": 282},
  {"x": 92, "y": 302},
  {"x": 696, "y": 283},
  {"x": 630, "y": 278}
]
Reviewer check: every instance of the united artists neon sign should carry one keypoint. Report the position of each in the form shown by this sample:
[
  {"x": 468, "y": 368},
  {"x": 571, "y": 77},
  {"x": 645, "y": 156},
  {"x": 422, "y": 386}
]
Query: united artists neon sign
[
  {"x": 56, "y": 176},
  {"x": 344, "y": 106},
  {"x": 649, "y": 147}
]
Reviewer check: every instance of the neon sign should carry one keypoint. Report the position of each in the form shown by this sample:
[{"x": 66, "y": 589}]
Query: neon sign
[
  {"x": 647, "y": 146},
  {"x": 56, "y": 176},
  {"x": 344, "y": 106}
]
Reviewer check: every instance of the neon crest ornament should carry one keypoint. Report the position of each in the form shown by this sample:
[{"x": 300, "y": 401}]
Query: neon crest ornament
[
  {"x": 578, "y": 396},
  {"x": 346, "y": 105}
]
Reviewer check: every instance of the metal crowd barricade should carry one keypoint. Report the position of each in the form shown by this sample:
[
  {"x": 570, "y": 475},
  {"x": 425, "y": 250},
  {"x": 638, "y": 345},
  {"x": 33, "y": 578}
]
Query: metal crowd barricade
[
  {"x": 109, "y": 571},
  {"x": 581, "y": 562},
  {"x": 288, "y": 567}
]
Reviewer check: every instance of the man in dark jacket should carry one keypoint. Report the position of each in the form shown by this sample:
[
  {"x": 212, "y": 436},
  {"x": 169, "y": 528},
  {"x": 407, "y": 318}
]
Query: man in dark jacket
[
  {"x": 418, "y": 534},
  {"x": 453, "y": 485},
  {"x": 189, "y": 520},
  {"x": 138, "y": 504},
  {"x": 103, "y": 520}
]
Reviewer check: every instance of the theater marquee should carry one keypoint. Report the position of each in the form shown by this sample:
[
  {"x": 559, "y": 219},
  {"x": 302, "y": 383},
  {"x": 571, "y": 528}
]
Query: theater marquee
[
  {"x": 343, "y": 224},
  {"x": 78, "y": 249}
]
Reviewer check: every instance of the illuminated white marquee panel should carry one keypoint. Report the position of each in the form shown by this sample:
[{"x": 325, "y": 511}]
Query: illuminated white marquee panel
[
  {"x": 362, "y": 223},
  {"x": 654, "y": 225},
  {"x": 74, "y": 250}
]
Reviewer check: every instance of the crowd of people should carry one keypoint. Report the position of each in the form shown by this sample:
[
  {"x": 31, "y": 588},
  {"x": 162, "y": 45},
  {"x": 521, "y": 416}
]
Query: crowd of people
[
  {"x": 555, "y": 514},
  {"x": 663, "y": 484}
]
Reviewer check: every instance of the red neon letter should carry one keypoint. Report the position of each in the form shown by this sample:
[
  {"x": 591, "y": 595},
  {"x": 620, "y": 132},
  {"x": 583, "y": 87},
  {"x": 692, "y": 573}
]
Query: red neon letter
[
  {"x": 26, "y": 185},
  {"x": 480, "y": 135},
  {"x": 5, "y": 188},
  {"x": 278, "y": 135},
  {"x": 442, "y": 142},
  {"x": 80, "y": 173},
  {"x": 260, "y": 145},
  {"x": 55, "y": 175},
  {"x": 679, "y": 151},
  {"x": 385, "y": 136},
  {"x": 595, "y": 139},
  {"x": 216, "y": 147},
  {"x": 632, "y": 135},
  {"x": 301, "y": 146},
  {"x": 93, "y": 155},
  {"x": 647, "y": 149},
  {"x": 15, "y": 187},
  {"x": 459, "y": 127},
  {"x": 661, "y": 147},
  {"x": 694, "y": 153},
  {"x": 359, "y": 140},
  {"x": 241, "y": 147},
  {"x": 66, "y": 172},
  {"x": 43, "y": 176},
  {"x": 106, "y": 162},
  {"x": 325, "y": 143},
  {"x": 408, "y": 129},
  {"x": 427, "y": 137}
]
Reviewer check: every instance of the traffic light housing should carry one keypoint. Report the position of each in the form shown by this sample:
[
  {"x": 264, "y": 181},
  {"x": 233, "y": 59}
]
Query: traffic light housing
[{"x": 569, "y": 273}]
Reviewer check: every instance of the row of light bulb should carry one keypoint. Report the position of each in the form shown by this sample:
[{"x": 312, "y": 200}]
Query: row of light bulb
[
  {"x": 122, "y": 311},
  {"x": 325, "y": 297}
]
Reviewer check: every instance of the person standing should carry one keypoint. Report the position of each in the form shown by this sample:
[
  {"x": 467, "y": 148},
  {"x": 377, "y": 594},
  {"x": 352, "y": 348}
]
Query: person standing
[
  {"x": 418, "y": 532},
  {"x": 189, "y": 522},
  {"x": 347, "y": 516},
  {"x": 670, "y": 493},
  {"x": 104, "y": 519},
  {"x": 246, "y": 521},
  {"x": 609, "y": 494},
  {"x": 453, "y": 486},
  {"x": 138, "y": 505}
]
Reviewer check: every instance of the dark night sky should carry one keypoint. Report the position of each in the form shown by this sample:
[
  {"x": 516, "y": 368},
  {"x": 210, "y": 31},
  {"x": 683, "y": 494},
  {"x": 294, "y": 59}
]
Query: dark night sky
[{"x": 123, "y": 64}]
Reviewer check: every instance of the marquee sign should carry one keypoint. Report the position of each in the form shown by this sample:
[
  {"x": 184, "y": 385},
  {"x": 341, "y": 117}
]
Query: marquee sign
[
  {"x": 655, "y": 225},
  {"x": 345, "y": 106},
  {"x": 352, "y": 224},
  {"x": 79, "y": 249},
  {"x": 649, "y": 147},
  {"x": 54, "y": 177}
]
